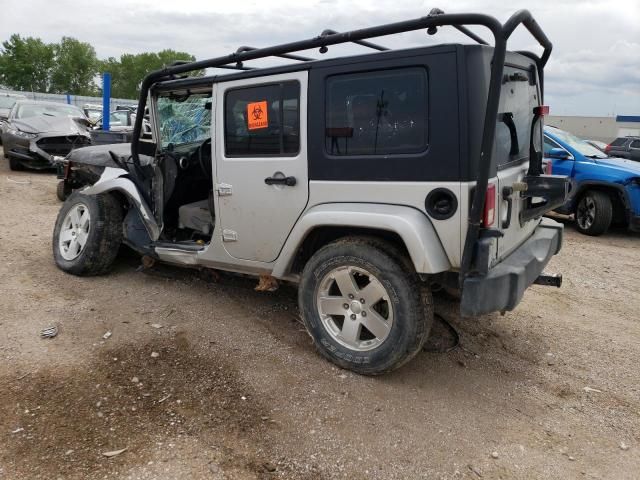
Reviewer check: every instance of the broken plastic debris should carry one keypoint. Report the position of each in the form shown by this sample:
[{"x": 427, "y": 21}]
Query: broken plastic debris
[
  {"x": 164, "y": 398},
  {"x": 107, "y": 335},
  {"x": 589, "y": 389},
  {"x": 18, "y": 430},
  {"x": 49, "y": 332},
  {"x": 155, "y": 354},
  {"x": 156, "y": 325},
  {"x": 114, "y": 453}
]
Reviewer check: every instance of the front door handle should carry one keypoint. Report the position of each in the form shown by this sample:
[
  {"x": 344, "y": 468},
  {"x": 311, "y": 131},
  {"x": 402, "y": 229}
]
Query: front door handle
[{"x": 288, "y": 181}]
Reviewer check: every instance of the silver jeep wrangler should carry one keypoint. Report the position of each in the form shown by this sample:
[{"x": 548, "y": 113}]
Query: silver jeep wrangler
[{"x": 365, "y": 179}]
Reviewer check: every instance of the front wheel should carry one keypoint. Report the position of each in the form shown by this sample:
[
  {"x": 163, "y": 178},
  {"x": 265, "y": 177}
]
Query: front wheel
[
  {"x": 364, "y": 305},
  {"x": 15, "y": 164},
  {"x": 594, "y": 213},
  {"x": 62, "y": 191},
  {"x": 87, "y": 234}
]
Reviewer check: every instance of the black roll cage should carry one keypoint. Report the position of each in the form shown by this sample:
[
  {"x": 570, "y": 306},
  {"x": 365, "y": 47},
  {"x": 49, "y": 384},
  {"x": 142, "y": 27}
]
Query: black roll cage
[{"x": 436, "y": 18}]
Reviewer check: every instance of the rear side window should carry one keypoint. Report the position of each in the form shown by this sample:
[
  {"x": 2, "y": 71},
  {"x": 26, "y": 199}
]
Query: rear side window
[
  {"x": 263, "y": 121},
  {"x": 618, "y": 142},
  {"x": 635, "y": 144},
  {"x": 377, "y": 113},
  {"x": 518, "y": 98}
]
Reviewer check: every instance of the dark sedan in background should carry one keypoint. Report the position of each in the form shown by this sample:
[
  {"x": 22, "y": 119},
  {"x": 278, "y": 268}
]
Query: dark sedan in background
[
  {"x": 35, "y": 132},
  {"x": 7, "y": 101}
]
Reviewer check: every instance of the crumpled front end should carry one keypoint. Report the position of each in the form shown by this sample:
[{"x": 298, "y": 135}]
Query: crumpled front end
[{"x": 39, "y": 151}]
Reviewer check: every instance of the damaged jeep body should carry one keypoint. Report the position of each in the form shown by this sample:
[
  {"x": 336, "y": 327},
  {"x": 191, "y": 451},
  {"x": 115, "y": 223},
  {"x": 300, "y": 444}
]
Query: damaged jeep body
[{"x": 364, "y": 179}]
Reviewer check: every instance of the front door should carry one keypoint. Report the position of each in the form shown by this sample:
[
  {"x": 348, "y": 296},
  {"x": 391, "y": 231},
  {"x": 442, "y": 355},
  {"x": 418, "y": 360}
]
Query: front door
[{"x": 261, "y": 162}]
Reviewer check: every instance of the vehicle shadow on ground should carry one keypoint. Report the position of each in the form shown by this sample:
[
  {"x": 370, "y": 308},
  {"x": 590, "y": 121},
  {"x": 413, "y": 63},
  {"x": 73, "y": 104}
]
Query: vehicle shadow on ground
[
  {"x": 614, "y": 231},
  {"x": 483, "y": 344}
]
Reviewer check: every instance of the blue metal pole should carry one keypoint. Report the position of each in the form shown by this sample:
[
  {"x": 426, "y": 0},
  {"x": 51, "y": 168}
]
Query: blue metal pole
[
  {"x": 106, "y": 100},
  {"x": 68, "y": 99}
]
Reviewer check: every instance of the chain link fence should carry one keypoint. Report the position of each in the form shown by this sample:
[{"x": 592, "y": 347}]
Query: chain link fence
[{"x": 78, "y": 100}]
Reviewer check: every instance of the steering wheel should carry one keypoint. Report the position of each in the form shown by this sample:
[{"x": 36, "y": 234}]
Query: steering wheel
[{"x": 207, "y": 171}]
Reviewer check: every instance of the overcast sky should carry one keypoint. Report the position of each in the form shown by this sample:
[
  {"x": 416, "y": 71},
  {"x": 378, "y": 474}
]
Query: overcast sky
[{"x": 594, "y": 68}]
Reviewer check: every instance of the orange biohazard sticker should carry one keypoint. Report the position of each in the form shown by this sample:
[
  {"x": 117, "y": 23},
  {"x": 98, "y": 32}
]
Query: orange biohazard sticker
[{"x": 257, "y": 116}]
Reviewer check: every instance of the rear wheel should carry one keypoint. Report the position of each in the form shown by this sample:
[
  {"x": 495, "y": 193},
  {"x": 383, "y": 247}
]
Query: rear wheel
[
  {"x": 87, "y": 234},
  {"x": 594, "y": 213},
  {"x": 15, "y": 164},
  {"x": 364, "y": 305}
]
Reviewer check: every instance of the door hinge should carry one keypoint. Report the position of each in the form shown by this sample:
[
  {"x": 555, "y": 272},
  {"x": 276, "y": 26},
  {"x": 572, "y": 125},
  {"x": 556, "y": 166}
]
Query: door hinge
[
  {"x": 224, "y": 189},
  {"x": 229, "y": 235}
]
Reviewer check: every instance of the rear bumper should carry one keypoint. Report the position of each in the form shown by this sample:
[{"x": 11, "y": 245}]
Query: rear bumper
[{"x": 504, "y": 285}]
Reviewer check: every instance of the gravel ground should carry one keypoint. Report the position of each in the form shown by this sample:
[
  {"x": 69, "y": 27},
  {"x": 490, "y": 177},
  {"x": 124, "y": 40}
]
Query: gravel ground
[{"x": 204, "y": 379}]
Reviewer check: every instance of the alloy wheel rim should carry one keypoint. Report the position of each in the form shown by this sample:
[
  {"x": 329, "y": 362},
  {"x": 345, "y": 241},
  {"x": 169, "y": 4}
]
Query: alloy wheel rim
[
  {"x": 74, "y": 232},
  {"x": 355, "y": 308},
  {"x": 586, "y": 212}
]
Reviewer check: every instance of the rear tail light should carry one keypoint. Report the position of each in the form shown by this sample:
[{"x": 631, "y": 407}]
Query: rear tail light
[
  {"x": 607, "y": 149},
  {"x": 541, "y": 110},
  {"x": 489, "y": 206},
  {"x": 549, "y": 168}
]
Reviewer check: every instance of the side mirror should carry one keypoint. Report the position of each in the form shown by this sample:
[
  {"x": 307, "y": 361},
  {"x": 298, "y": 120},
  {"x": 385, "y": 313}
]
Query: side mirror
[{"x": 559, "y": 153}]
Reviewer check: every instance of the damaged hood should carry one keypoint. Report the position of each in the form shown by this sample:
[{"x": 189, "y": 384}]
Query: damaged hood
[
  {"x": 100, "y": 155},
  {"x": 45, "y": 124}
]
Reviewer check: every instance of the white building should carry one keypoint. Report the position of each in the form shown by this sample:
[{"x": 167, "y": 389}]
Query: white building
[{"x": 604, "y": 129}]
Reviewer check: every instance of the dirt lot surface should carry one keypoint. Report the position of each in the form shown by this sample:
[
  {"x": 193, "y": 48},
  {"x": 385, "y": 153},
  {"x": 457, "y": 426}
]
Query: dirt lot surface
[{"x": 215, "y": 381}]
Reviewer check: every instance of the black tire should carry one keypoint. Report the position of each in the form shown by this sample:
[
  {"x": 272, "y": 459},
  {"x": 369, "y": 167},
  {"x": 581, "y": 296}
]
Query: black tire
[
  {"x": 15, "y": 165},
  {"x": 411, "y": 300},
  {"x": 62, "y": 192},
  {"x": 103, "y": 239},
  {"x": 601, "y": 213}
]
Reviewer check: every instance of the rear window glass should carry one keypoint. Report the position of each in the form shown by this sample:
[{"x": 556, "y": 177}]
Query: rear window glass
[
  {"x": 618, "y": 142},
  {"x": 635, "y": 144},
  {"x": 377, "y": 113},
  {"x": 518, "y": 98}
]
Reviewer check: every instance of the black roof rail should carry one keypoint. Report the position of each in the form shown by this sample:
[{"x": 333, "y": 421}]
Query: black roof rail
[
  {"x": 460, "y": 28},
  {"x": 282, "y": 55},
  {"x": 362, "y": 43},
  {"x": 431, "y": 22},
  {"x": 235, "y": 67}
]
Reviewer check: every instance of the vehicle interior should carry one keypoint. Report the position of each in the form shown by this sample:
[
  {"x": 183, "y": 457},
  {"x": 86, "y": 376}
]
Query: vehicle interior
[{"x": 184, "y": 158}]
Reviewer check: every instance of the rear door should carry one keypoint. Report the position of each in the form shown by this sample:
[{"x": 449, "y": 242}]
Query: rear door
[
  {"x": 519, "y": 96},
  {"x": 261, "y": 162}
]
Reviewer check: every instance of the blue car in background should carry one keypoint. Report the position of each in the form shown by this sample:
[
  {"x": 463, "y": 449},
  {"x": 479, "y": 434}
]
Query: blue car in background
[{"x": 604, "y": 189}]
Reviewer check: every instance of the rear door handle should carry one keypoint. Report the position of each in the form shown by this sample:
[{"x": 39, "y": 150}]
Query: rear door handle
[{"x": 288, "y": 181}]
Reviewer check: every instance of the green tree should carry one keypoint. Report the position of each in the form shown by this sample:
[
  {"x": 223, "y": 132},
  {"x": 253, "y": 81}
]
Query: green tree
[
  {"x": 128, "y": 72},
  {"x": 75, "y": 69},
  {"x": 26, "y": 64}
]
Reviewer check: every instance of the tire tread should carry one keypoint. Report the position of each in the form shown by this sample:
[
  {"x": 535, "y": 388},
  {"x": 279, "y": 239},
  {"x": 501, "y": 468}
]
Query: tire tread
[
  {"x": 424, "y": 301},
  {"x": 604, "y": 213}
]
